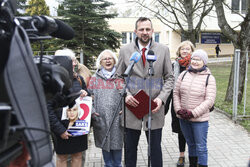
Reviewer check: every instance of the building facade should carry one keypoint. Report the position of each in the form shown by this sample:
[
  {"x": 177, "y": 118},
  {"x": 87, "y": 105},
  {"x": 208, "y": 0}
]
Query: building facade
[{"x": 209, "y": 37}]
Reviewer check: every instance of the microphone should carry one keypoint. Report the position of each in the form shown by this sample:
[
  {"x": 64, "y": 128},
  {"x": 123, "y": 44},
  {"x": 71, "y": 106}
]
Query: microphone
[
  {"x": 151, "y": 57},
  {"x": 136, "y": 56},
  {"x": 53, "y": 27}
]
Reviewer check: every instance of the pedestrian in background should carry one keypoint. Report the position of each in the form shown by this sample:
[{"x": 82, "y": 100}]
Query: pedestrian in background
[
  {"x": 180, "y": 64},
  {"x": 105, "y": 106},
  {"x": 192, "y": 102},
  {"x": 217, "y": 50}
]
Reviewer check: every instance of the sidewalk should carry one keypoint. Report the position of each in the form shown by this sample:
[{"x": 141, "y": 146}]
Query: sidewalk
[{"x": 228, "y": 145}]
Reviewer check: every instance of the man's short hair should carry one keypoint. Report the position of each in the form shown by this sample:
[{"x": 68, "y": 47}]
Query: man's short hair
[{"x": 141, "y": 19}]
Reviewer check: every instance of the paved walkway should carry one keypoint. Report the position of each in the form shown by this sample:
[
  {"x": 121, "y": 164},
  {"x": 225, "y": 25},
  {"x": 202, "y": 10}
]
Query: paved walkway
[{"x": 228, "y": 145}]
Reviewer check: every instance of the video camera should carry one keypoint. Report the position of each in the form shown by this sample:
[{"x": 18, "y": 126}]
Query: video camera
[{"x": 27, "y": 83}]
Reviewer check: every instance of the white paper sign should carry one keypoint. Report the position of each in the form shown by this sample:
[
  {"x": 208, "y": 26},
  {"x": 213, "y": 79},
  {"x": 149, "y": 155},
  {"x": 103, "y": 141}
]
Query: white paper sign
[{"x": 81, "y": 110}]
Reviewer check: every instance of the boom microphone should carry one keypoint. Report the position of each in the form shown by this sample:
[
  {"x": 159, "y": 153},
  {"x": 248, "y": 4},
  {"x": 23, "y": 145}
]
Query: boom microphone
[
  {"x": 134, "y": 59},
  {"x": 53, "y": 27}
]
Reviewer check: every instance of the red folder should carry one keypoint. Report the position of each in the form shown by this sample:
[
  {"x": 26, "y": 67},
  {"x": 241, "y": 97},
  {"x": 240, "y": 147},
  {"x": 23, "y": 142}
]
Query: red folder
[{"x": 142, "y": 108}]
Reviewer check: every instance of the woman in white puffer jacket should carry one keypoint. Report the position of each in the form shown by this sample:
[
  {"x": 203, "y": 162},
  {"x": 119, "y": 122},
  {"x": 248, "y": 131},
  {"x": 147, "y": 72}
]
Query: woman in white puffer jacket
[{"x": 193, "y": 99}]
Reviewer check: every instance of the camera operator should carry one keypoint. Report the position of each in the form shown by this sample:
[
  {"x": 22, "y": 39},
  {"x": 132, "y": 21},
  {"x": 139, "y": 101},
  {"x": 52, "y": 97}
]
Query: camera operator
[{"x": 64, "y": 143}]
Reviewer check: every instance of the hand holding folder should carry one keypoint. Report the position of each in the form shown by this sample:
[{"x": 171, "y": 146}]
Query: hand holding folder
[{"x": 143, "y": 106}]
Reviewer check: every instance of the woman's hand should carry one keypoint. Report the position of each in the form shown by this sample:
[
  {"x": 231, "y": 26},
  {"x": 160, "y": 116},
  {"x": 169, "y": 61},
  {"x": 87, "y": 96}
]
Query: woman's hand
[
  {"x": 65, "y": 135},
  {"x": 83, "y": 93},
  {"x": 95, "y": 114}
]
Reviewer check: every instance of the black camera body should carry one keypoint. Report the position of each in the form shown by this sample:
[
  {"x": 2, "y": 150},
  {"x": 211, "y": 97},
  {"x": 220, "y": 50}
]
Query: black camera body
[
  {"x": 26, "y": 84},
  {"x": 56, "y": 74}
]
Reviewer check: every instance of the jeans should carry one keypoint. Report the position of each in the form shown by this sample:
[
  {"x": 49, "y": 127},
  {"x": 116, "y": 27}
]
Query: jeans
[
  {"x": 196, "y": 137},
  {"x": 112, "y": 158},
  {"x": 132, "y": 139}
]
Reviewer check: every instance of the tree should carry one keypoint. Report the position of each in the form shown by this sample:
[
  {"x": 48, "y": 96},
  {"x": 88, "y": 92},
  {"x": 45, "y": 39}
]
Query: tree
[
  {"x": 37, "y": 7},
  {"x": 184, "y": 17},
  {"x": 59, "y": 9},
  {"x": 240, "y": 40},
  {"x": 89, "y": 21}
]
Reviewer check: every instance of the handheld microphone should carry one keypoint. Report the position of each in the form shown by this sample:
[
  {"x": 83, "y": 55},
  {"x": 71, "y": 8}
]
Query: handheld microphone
[
  {"x": 136, "y": 56},
  {"x": 151, "y": 57},
  {"x": 53, "y": 27}
]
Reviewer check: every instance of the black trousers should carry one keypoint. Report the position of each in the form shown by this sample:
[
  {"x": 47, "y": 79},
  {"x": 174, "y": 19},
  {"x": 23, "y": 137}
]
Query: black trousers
[
  {"x": 182, "y": 142},
  {"x": 132, "y": 140}
]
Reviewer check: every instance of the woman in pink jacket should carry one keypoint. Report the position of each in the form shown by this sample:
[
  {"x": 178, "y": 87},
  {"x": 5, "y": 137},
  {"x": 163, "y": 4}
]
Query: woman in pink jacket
[{"x": 194, "y": 95}]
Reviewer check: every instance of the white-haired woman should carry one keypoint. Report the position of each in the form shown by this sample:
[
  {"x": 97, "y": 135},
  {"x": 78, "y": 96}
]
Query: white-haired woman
[
  {"x": 64, "y": 143},
  {"x": 106, "y": 93},
  {"x": 78, "y": 68}
]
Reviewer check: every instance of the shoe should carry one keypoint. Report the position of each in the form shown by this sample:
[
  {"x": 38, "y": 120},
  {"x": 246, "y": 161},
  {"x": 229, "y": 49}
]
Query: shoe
[
  {"x": 181, "y": 162},
  {"x": 193, "y": 161}
]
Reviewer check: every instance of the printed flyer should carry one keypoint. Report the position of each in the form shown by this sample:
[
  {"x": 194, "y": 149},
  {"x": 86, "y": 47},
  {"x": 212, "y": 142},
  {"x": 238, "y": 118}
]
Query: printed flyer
[{"x": 79, "y": 116}]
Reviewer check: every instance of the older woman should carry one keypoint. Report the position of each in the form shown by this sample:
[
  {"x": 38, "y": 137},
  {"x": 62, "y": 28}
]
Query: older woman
[
  {"x": 192, "y": 100},
  {"x": 181, "y": 63},
  {"x": 106, "y": 92}
]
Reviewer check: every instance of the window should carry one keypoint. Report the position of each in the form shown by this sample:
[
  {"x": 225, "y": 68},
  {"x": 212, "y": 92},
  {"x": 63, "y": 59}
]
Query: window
[
  {"x": 239, "y": 6},
  {"x": 124, "y": 38},
  {"x": 157, "y": 37},
  {"x": 128, "y": 37}
]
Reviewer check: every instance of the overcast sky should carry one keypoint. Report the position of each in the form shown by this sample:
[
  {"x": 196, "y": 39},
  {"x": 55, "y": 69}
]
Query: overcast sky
[{"x": 54, "y": 4}]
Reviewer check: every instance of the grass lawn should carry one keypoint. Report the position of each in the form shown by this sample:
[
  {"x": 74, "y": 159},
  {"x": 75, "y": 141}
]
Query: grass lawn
[{"x": 221, "y": 72}]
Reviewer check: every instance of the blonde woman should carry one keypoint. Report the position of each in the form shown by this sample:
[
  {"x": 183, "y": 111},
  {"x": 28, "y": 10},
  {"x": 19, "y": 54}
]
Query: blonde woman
[{"x": 181, "y": 63}]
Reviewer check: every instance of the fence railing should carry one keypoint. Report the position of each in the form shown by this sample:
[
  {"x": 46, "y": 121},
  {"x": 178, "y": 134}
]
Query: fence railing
[{"x": 237, "y": 55}]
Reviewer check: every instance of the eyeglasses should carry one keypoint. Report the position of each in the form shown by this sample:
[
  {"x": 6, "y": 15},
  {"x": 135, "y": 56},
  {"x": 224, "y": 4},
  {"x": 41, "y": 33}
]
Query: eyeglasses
[
  {"x": 197, "y": 60},
  {"x": 108, "y": 58},
  {"x": 187, "y": 49}
]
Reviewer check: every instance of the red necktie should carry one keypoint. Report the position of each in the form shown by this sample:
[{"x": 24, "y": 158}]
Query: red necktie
[{"x": 143, "y": 56}]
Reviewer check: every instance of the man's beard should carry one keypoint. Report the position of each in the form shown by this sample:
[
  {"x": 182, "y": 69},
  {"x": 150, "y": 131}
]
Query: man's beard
[{"x": 144, "y": 41}]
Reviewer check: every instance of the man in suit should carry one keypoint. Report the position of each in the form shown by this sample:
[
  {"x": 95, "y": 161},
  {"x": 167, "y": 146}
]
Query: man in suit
[{"x": 162, "y": 80}]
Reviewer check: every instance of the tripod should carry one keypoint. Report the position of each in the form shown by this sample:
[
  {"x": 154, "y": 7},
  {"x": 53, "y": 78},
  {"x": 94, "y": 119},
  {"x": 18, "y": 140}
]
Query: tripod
[{"x": 121, "y": 99}]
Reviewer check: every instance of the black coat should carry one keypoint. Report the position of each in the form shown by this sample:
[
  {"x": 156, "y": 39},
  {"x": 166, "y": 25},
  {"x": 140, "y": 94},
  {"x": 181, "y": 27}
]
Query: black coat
[
  {"x": 175, "y": 124},
  {"x": 58, "y": 126}
]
